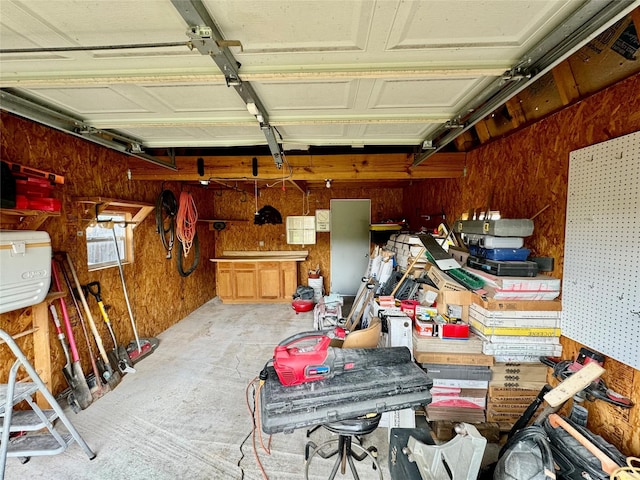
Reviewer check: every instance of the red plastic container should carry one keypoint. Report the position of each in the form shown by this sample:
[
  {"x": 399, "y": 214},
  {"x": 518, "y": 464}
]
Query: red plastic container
[
  {"x": 409, "y": 307},
  {"x": 45, "y": 204}
]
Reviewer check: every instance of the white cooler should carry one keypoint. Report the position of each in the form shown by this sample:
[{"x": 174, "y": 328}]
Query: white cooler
[{"x": 25, "y": 268}]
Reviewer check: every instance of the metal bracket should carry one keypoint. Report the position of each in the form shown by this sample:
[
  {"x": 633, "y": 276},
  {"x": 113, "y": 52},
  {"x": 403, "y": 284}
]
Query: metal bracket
[{"x": 208, "y": 40}]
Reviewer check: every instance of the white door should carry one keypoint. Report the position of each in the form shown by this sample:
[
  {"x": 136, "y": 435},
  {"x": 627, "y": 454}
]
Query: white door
[{"x": 350, "y": 244}]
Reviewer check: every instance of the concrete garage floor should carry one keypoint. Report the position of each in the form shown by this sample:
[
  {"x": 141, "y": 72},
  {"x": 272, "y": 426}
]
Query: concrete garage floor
[{"x": 183, "y": 414}]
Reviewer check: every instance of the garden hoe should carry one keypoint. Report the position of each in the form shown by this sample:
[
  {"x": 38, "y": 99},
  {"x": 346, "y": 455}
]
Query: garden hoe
[
  {"x": 121, "y": 356},
  {"x": 109, "y": 375},
  {"x": 80, "y": 396}
]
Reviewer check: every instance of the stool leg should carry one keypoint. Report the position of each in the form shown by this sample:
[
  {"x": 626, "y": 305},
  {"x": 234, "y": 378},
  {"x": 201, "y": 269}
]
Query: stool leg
[{"x": 340, "y": 461}]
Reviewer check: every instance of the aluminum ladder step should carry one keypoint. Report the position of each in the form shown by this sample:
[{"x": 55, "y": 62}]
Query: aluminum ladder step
[
  {"x": 29, "y": 421},
  {"x": 23, "y": 390},
  {"x": 37, "y": 445}
]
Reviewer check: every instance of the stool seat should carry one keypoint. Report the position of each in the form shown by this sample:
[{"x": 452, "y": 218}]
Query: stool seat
[
  {"x": 343, "y": 447},
  {"x": 355, "y": 426}
]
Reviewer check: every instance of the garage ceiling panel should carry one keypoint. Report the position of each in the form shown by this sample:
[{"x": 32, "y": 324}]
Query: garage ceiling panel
[
  {"x": 328, "y": 95},
  {"x": 90, "y": 100},
  {"x": 285, "y": 27},
  {"x": 474, "y": 26},
  {"x": 197, "y": 98},
  {"x": 361, "y": 72},
  {"x": 442, "y": 94}
]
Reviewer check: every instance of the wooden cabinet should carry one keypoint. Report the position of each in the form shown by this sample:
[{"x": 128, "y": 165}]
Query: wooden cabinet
[{"x": 270, "y": 281}]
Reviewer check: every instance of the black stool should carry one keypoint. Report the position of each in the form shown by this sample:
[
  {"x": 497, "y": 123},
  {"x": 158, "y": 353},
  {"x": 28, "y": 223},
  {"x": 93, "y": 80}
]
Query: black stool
[{"x": 346, "y": 430}]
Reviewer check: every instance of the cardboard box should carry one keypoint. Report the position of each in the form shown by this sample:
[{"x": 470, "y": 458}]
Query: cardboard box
[
  {"x": 427, "y": 294},
  {"x": 444, "y": 281},
  {"x": 447, "y": 300},
  {"x": 453, "y": 358},
  {"x": 425, "y": 328},
  {"x": 520, "y": 305}
]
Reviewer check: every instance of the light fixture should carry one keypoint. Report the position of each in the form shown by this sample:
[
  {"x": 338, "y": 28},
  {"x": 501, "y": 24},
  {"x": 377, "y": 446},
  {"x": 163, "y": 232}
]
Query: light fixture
[
  {"x": 253, "y": 110},
  {"x": 328, "y": 183},
  {"x": 204, "y": 183}
]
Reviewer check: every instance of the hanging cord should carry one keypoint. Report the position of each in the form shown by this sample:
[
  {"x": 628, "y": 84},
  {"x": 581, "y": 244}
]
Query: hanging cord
[
  {"x": 305, "y": 200},
  {"x": 166, "y": 210},
  {"x": 254, "y": 411},
  {"x": 196, "y": 260},
  {"x": 186, "y": 221}
]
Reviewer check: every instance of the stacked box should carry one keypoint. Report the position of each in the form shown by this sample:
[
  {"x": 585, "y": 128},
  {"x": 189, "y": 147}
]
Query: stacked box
[
  {"x": 459, "y": 392},
  {"x": 512, "y": 388},
  {"x": 460, "y": 373},
  {"x": 506, "y": 404},
  {"x": 515, "y": 335},
  {"x": 406, "y": 248}
]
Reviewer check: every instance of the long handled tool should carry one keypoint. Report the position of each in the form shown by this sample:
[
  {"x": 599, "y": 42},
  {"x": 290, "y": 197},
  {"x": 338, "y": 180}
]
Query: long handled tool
[
  {"x": 143, "y": 347},
  {"x": 121, "y": 357},
  {"x": 81, "y": 395},
  {"x": 98, "y": 389},
  {"x": 110, "y": 376}
]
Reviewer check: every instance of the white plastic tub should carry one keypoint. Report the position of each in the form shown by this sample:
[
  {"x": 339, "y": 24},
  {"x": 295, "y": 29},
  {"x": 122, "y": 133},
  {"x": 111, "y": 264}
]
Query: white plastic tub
[{"x": 25, "y": 268}]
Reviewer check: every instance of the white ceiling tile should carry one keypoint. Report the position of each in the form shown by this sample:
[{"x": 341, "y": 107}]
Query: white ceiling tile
[
  {"x": 467, "y": 24},
  {"x": 90, "y": 100},
  {"x": 419, "y": 93},
  {"x": 288, "y": 28},
  {"x": 330, "y": 95},
  {"x": 197, "y": 98}
]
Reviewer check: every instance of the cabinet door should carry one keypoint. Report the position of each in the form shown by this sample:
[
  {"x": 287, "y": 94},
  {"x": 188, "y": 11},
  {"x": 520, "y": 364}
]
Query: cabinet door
[
  {"x": 224, "y": 281},
  {"x": 289, "y": 278},
  {"x": 269, "y": 280},
  {"x": 245, "y": 281}
]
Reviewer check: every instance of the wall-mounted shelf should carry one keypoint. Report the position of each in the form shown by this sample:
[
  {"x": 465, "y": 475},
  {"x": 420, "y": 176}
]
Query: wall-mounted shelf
[
  {"x": 94, "y": 206},
  {"x": 23, "y": 219}
]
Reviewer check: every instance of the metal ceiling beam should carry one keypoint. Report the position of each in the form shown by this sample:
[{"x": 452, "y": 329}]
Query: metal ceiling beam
[
  {"x": 587, "y": 22},
  {"x": 208, "y": 40},
  {"x": 45, "y": 115}
]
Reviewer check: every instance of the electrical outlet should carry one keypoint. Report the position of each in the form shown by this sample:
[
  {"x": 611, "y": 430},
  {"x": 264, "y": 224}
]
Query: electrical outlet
[{"x": 261, "y": 243}]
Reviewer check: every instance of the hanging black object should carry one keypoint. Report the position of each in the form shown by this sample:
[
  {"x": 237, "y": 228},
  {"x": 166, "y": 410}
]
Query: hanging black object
[
  {"x": 8, "y": 191},
  {"x": 166, "y": 211},
  {"x": 201, "y": 166},
  {"x": 267, "y": 214},
  {"x": 254, "y": 166}
]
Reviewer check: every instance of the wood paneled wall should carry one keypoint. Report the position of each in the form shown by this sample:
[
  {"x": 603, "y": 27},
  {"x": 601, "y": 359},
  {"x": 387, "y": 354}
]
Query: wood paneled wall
[
  {"x": 229, "y": 204},
  {"x": 159, "y": 296},
  {"x": 527, "y": 171}
]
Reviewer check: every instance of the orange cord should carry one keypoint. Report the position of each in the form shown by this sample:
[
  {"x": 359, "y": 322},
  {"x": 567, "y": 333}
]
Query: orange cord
[
  {"x": 186, "y": 219},
  {"x": 253, "y": 428}
]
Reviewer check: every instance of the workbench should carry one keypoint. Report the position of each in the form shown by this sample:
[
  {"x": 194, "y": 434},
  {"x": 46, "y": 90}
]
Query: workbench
[{"x": 257, "y": 277}]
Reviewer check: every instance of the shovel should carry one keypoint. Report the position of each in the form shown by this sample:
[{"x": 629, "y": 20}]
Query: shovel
[
  {"x": 121, "y": 356},
  {"x": 109, "y": 375},
  {"x": 81, "y": 396}
]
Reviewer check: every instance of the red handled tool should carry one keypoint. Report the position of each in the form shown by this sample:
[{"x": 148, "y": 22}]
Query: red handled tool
[
  {"x": 598, "y": 389},
  {"x": 309, "y": 356},
  {"x": 303, "y": 357}
]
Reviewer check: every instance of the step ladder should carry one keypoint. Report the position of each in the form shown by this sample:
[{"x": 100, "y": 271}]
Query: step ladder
[{"x": 49, "y": 442}]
